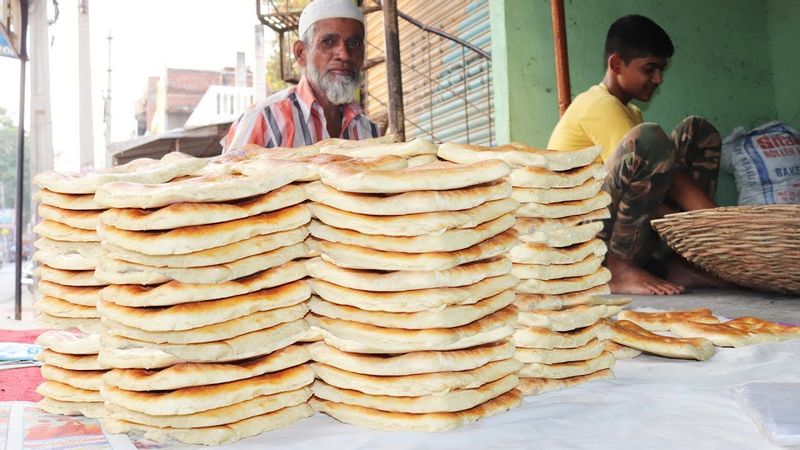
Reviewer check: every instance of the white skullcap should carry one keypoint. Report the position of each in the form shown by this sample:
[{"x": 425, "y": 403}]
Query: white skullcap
[{"x": 328, "y": 9}]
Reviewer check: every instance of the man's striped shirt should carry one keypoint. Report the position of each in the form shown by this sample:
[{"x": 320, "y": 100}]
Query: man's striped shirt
[{"x": 293, "y": 118}]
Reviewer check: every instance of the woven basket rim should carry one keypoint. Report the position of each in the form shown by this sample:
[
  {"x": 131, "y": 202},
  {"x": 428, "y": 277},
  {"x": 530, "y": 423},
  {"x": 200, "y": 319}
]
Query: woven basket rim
[{"x": 750, "y": 245}]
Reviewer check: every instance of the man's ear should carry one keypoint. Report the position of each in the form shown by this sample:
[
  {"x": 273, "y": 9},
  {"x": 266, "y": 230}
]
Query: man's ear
[
  {"x": 299, "y": 50},
  {"x": 615, "y": 63}
]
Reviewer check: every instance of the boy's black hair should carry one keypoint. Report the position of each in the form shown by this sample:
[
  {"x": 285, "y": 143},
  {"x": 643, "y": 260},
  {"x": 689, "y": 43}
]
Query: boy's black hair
[{"x": 637, "y": 36}]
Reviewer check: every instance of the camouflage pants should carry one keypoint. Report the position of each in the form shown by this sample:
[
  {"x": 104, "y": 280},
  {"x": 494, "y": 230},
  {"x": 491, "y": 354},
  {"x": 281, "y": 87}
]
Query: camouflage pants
[{"x": 640, "y": 173}]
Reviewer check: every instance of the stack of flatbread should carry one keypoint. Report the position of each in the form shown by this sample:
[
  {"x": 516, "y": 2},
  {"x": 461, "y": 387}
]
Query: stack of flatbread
[
  {"x": 560, "y": 336},
  {"x": 71, "y": 372},
  {"x": 206, "y": 301},
  {"x": 68, "y": 247},
  {"x": 67, "y": 253},
  {"x": 378, "y": 153},
  {"x": 412, "y": 294}
]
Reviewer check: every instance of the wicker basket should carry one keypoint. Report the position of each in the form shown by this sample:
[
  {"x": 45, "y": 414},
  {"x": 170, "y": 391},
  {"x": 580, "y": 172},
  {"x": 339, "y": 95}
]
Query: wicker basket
[{"x": 754, "y": 246}]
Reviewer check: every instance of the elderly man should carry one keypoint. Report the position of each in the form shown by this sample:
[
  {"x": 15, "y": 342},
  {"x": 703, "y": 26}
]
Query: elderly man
[{"x": 331, "y": 53}]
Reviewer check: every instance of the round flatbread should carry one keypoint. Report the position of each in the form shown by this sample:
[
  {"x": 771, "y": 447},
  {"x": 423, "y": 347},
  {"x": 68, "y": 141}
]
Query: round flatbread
[
  {"x": 214, "y": 435},
  {"x": 94, "y": 410},
  {"x": 536, "y": 386},
  {"x": 437, "y": 176},
  {"x": 71, "y": 362},
  {"x": 414, "y": 202},
  {"x": 414, "y": 147},
  {"x": 114, "y": 271},
  {"x": 567, "y": 369},
  {"x": 215, "y": 417},
  {"x": 413, "y": 362},
  {"x": 248, "y": 345},
  {"x": 196, "y": 399},
  {"x": 75, "y": 202},
  {"x": 201, "y": 237},
  {"x": 455, "y": 400},
  {"x": 186, "y": 214},
  {"x": 431, "y": 422},
  {"x": 565, "y": 285},
  {"x": 212, "y": 256},
  {"x": 64, "y": 261},
  {"x": 564, "y": 209},
  {"x": 588, "y": 189},
  {"x": 541, "y": 178},
  {"x": 142, "y": 170},
  {"x": 61, "y": 308},
  {"x": 177, "y": 293},
  {"x": 448, "y": 241},
  {"x": 67, "y": 393},
  {"x": 204, "y": 189},
  {"x": 81, "y": 379},
  {"x": 58, "y": 231},
  {"x": 72, "y": 343},
  {"x": 591, "y": 350},
  {"x": 85, "y": 220},
  {"x": 377, "y": 281},
  {"x": 357, "y": 257},
  {"x": 186, "y": 316},
  {"x": 432, "y": 223},
  {"x": 449, "y": 317},
  {"x": 350, "y": 336},
  {"x": 420, "y": 300},
  {"x": 520, "y": 155},
  {"x": 437, "y": 383},
  {"x": 203, "y": 374},
  {"x": 215, "y": 332}
]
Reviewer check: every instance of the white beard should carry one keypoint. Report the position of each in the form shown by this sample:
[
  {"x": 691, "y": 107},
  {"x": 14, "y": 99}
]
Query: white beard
[{"x": 340, "y": 89}]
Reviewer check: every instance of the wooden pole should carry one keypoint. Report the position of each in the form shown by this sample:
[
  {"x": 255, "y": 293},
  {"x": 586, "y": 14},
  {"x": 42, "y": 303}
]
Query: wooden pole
[
  {"x": 397, "y": 121},
  {"x": 562, "y": 60}
]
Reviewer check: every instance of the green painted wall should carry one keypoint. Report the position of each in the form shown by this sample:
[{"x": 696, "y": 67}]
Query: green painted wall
[
  {"x": 783, "y": 18},
  {"x": 728, "y": 64},
  {"x": 518, "y": 29}
]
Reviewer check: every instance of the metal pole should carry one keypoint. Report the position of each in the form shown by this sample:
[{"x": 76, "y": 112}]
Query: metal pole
[
  {"x": 430, "y": 86},
  {"x": 394, "y": 77},
  {"x": 489, "y": 100},
  {"x": 562, "y": 60},
  {"x": 23, "y": 59},
  {"x": 281, "y": 50}
]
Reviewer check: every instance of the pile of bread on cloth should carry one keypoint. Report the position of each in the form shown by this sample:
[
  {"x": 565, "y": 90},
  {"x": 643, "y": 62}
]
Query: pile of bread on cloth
[{"x": 395, "y": 286}]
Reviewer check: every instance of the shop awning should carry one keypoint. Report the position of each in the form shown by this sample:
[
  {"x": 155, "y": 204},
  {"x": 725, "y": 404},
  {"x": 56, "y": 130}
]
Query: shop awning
[{"x": 202, "y": 141}]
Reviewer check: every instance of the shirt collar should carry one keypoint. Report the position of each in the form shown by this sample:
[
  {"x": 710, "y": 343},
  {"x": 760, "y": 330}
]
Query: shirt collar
[{"x": 306, "y": 95}]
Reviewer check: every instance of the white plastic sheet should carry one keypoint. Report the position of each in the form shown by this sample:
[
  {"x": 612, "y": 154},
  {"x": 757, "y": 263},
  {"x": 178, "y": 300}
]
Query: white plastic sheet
[
  {"x": 774, "y": 407},
  {"x": 655, "y": 403}
]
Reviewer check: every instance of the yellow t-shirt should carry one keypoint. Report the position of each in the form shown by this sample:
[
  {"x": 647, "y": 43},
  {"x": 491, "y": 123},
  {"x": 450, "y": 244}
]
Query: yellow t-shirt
[{"x": 595, "y": 117}]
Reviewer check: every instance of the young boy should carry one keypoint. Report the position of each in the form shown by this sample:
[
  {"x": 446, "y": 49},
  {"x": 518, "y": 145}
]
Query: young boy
[{"x": 649, "y": 173}]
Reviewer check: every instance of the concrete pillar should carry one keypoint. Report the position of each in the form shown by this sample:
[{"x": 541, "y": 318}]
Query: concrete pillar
[
  {"x": 240, "y": 76},
  {"x": 259, "y": 76},
  {"x": 523, "y": 71},
  {"x": 41, "y": 124},
  {"x": 85, "y": 116}
]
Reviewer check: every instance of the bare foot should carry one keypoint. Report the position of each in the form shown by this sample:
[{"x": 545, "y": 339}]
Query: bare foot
[
  {"x": 627, "y": 278},
  {"x": 683, "y": 272}
]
